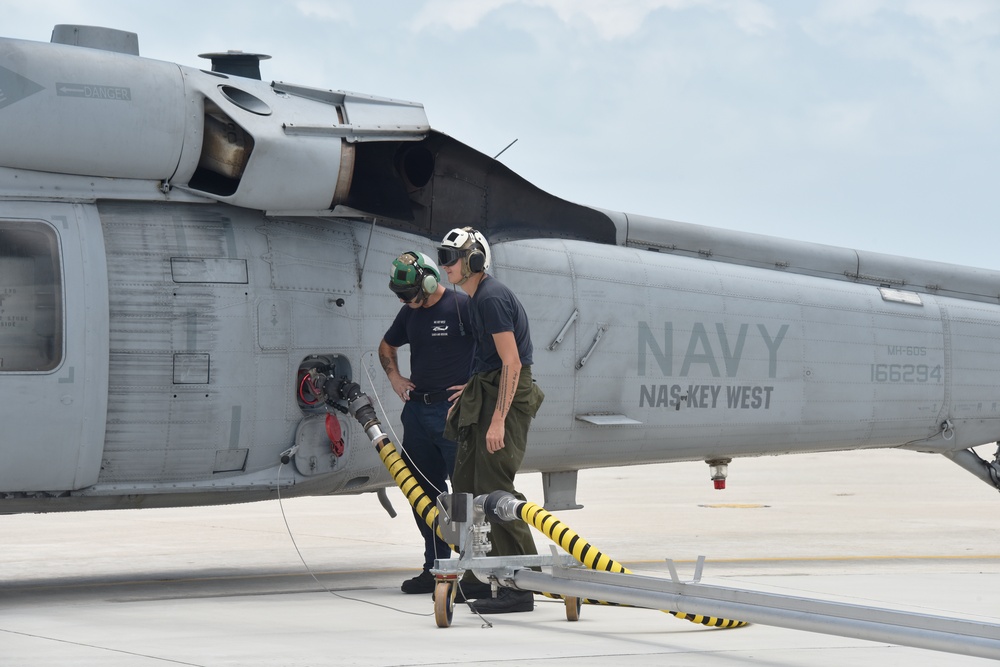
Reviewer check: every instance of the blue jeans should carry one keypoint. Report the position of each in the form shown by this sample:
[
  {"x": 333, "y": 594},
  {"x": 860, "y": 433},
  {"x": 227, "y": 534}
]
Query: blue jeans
[{"x": 431, "y": 458}]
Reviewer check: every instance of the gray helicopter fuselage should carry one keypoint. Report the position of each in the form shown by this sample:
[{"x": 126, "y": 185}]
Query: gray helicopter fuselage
[{"x": 177, "y": 246}]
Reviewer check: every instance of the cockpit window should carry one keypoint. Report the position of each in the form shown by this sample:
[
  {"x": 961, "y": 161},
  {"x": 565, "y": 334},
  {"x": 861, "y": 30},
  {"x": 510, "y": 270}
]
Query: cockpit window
[{"x": 31, "y": 327}]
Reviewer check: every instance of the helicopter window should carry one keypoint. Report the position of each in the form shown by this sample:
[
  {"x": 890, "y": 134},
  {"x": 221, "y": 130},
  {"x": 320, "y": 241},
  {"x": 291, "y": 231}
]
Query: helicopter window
[{"x": 30, "y": 297}]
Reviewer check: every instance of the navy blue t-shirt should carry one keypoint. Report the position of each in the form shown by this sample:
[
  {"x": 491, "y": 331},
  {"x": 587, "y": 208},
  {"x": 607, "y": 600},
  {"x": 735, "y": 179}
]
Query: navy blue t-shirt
[
  {"x": 440, "y": 355},
  {"x": 495, "y": 309}
]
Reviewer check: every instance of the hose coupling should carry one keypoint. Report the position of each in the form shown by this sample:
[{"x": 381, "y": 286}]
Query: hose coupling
[
  {"x": 500, "y": 505},
  {"x": 361, "y": 409}
]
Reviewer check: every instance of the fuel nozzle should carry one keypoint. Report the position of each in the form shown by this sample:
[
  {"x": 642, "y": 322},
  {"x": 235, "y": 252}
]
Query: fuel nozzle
[{"x": 359, "y": 404}]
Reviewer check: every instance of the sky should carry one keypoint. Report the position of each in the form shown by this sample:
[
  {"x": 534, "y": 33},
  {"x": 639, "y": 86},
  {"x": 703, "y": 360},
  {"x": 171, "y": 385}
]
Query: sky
[{"x": 870, "y": 124}]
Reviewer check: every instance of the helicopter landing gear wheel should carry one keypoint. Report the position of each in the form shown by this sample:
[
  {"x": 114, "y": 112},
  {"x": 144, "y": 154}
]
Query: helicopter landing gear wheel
[
  {"x": 573, "y": 606},
  {"x": 444, "y": 603}
]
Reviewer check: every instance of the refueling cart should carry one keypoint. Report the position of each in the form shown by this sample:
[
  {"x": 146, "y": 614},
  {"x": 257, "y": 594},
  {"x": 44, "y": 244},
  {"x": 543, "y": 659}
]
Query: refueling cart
[{"x": 583, "y": 574}]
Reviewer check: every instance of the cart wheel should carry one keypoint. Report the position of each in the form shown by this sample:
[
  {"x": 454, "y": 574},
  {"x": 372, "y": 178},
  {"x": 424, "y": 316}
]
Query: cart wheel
[
  {"x": 573, "y": 606},
  {"x": 444, "y": 603}
]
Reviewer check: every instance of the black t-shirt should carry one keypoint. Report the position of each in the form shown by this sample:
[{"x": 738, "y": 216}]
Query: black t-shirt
[
  {"x": 495, "y": 309},
  {"x": 440, "y": 355}
]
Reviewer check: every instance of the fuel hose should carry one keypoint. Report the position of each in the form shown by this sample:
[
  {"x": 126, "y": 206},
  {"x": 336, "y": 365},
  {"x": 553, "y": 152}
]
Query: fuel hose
[
  {"x": 498, "y": 505},
  {"x": 421, "y": 503},
  {"x": 505, "y": 507}
]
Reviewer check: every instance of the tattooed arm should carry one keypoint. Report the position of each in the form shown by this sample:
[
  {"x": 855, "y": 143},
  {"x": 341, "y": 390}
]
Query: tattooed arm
[
  {"x": 401, "y": 386},
  {"x": 509, "y": 375}
]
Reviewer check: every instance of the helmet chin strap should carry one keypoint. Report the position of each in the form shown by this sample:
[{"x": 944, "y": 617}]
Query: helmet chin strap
[{"x": 466, "y": 272}]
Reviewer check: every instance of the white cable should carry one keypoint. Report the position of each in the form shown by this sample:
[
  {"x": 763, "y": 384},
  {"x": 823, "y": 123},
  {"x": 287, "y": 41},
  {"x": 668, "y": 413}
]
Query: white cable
[
  {"x": 281, "y": 506},
  {"x": 395, "y": 439},
  {"x": 291, "y": 536}
]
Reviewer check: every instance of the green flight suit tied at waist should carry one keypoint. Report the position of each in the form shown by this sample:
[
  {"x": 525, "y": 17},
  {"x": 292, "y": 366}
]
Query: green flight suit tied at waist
[{"x": 479, "y": 399}]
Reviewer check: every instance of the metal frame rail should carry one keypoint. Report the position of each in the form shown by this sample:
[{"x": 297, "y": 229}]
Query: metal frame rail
[{"x": 966, "y": 637}]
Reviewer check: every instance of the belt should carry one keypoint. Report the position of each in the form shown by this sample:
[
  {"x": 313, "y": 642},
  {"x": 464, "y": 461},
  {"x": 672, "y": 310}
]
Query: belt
[{"x": 427, "y": 398}]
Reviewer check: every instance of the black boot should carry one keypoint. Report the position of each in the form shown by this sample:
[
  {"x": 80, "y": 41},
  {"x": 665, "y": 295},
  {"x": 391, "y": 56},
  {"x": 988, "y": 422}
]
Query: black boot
[
  {"x": 507, "y": 601},
  {"x": 473, "y": 590},
  {"x": 422, "y": 583}
]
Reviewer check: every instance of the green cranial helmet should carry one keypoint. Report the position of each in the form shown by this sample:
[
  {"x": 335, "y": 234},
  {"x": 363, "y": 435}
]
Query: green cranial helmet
[{"x": 413, "y": 275}]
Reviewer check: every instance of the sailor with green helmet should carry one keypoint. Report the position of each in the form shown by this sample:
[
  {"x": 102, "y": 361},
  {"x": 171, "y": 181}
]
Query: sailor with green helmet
[{"x": 434, "y": 322}]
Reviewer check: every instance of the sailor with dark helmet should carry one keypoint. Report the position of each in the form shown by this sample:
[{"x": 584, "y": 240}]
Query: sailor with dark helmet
[{"x": 434, "y": 322}]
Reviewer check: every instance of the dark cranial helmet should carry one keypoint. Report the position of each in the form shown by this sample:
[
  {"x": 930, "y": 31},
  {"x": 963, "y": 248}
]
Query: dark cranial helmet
[{"x": 413, "y": 275}]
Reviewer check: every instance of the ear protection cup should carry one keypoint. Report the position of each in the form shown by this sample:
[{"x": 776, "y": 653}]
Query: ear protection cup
[
  {"x": 414, "y": 269},
  {"x": 427, "y": 273},
  {"x": 471, "y": 246},
  {"x": 429, "y": 284},
  {"x": 477, "y": 261}
]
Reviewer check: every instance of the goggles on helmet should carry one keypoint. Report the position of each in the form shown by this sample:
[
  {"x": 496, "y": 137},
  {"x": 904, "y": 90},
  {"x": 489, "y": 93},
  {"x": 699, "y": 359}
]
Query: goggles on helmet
[
  {"x": 405, "y": 292},
  {"x": 448, "y": 256}
]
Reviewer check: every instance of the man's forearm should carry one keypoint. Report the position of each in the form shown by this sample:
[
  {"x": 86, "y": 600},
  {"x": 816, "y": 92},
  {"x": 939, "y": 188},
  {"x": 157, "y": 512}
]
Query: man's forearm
[
  {"x": 387, "y": 357},
  {"x": 509, "y": 376}
]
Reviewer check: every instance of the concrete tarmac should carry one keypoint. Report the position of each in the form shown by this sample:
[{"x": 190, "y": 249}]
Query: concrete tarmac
[{"x": 315, "y": 581}]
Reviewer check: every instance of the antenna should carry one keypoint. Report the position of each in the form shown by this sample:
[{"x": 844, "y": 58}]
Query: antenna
[{"x": 505, "y": 148}]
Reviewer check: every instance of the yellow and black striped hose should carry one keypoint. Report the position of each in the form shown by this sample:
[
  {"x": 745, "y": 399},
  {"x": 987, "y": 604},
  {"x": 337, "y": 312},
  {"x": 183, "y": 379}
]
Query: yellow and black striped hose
[
  {"x": 587, "y": 554},
  {"x": 408, "y": 484},
  {"x": 533, "y": 515}
]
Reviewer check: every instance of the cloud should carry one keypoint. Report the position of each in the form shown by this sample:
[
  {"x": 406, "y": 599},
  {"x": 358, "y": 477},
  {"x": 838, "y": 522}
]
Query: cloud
[
  {"x": 456, "y": 14},
  {"x": 946, "y": 51},
  {"x": 982, "y": 14},
  {"x": 609, "y": 20},
  {"x": 339, "y": 12},
  {"x": 753, "y": 18}
]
